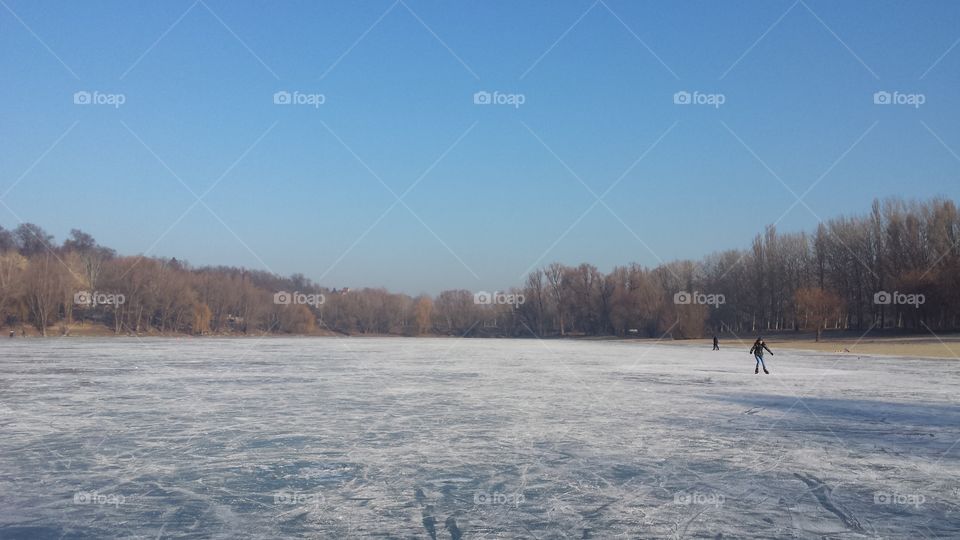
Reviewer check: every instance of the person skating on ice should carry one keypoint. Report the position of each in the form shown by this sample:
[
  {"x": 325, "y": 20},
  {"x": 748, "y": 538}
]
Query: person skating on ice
[
  {"x": 757, "y": 351},
  {"x": 716, "y": 343}
]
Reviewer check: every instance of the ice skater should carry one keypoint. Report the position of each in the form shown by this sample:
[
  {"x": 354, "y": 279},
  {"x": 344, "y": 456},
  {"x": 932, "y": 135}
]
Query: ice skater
[
  {"x": 757, "y": 351},
  {"x": 716, "y": 343}
]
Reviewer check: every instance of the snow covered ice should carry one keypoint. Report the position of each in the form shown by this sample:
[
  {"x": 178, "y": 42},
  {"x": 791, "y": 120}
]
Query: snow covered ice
[{"x": 462, "y": 438}]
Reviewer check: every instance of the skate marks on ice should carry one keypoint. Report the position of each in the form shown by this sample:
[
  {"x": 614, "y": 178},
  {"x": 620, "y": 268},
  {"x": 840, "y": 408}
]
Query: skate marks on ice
[
  {"x": 822, "y": 492},
  {"x": 488, "y": 439},
  {"x": 430, "y": 521}
]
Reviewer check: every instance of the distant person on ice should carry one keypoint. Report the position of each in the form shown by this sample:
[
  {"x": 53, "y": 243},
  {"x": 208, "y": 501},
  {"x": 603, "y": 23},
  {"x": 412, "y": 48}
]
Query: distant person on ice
[
  {"x": 757, "y": 351},
  {"x": 716, "y": 343}
]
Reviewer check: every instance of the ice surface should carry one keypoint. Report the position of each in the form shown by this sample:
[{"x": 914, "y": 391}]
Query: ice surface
[{"x": 460, "y": 438}]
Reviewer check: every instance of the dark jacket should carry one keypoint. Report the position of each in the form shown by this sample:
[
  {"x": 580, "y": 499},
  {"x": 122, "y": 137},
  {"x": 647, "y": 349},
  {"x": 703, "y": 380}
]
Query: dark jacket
[{"x": 758, "y": 348}]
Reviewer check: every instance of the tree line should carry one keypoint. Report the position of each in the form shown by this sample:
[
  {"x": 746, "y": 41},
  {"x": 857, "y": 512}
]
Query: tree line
[{"x": 896, "y": 267}]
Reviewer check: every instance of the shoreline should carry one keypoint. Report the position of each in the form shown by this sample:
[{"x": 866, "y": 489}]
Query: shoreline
[{"x": 945, "y": 347}]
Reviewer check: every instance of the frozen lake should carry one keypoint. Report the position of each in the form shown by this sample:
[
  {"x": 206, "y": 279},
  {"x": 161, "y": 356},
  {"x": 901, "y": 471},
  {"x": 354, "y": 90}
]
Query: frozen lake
[{"x": 457, "y": 438}]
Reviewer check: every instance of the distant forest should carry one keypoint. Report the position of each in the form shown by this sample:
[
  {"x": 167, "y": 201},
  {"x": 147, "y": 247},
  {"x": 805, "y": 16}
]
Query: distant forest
[{"x": 896, "y": 267}]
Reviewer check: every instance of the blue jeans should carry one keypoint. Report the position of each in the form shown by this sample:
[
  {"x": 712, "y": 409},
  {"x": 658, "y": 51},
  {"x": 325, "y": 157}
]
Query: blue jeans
[{"x": 760, "y": 361}]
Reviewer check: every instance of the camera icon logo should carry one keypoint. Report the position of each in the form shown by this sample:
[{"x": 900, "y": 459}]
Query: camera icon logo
[
  {"x": 882, "y": 98},
  {"x": 282, "y": 98},
  {"x": 483, "y": 298},
  {"x": 282, "y": 298},
  {"x": 882, "y": 298},
  {"x": 481, "y": 497},
  {"x": 82, "y": 497},
  {"x": 482, "y": 98},
  {"x": 82, "y": 98},
  {"x": 682, "y": 98},
  {"x": 82, "y": 298},
  {"x": 682, "y": 298}
]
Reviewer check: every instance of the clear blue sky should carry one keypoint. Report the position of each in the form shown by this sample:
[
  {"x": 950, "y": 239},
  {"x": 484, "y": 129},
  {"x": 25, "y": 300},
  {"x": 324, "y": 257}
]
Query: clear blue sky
[{"x": 598, "y": 81}]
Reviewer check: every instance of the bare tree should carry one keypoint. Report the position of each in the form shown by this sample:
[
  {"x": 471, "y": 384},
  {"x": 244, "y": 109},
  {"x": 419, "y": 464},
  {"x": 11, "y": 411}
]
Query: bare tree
[
  {"x": 816, "y": 308},
  {"x": 424, "y": 314},
  {"x": 12, "y": 269},
  {"x": 45, "y": 288},
  {"x": 556, "y": 273}
]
